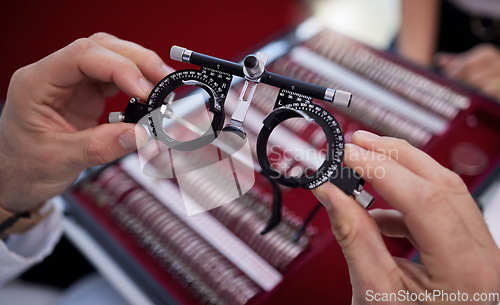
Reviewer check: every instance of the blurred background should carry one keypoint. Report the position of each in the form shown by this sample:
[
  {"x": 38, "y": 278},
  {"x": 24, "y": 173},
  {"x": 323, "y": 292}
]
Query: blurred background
[
  {"x": 31, "y": 30},
  {"x": 374, "y": 23},
  {"x": 353, "y": 51}
]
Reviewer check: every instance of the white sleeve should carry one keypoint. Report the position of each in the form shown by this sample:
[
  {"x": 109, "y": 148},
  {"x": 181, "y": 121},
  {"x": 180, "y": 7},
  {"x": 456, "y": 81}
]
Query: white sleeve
[{"x": 21, "y": 251}]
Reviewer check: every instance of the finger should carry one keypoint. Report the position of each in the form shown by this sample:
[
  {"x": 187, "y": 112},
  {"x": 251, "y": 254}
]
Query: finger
[
  {"x": 102, "y": 144},
  {"x": 357, "y": 235},
  {"x": 426, "y": 167},
  {"x": 391, "y": 224},
  {"x": 465, "y": 65},
  {"x": 442, "y": 59},
  {"x": 153, "y": 67},
  {"x": 492, "y": 87},
  {"x": 488, "y": 79},
  {"x": 414, "y": 271},
  {"x": 425, "y": 208},
  {"x": 456, "y": 67},
  {"x": 108, "y": 89},
  {"x": 85, "y": 59},
  {"x": 405, "y": 154}
]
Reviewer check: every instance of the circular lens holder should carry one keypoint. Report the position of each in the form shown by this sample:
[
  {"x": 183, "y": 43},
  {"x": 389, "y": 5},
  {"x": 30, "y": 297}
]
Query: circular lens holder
[
  {"x": 215, "y": 83},
  {"x": 292, "y": 105}
]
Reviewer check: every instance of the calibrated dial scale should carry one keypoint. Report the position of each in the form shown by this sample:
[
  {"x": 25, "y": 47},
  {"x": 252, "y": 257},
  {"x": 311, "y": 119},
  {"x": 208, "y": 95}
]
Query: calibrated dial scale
[
  {"x": 292, "y": 105},
  {"x": 215, "y": 83},
  {"x": 294, "y": 101}
]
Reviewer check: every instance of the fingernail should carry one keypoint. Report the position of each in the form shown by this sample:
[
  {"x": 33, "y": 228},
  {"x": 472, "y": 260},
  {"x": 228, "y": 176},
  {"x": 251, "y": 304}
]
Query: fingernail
[
  {"x": 145, "y": 85},
  {"x": 323, "y": 201},
  {"x": 442, "y": 59},
  {"x": 166, "y": 69},
  {"x": 322, "y": 198},
  {"x": 353, "y": 152},
  {"x": 367, "y": 135},
  {"x": 328, "y": 206},
  {"x": 130, "y": 140}
]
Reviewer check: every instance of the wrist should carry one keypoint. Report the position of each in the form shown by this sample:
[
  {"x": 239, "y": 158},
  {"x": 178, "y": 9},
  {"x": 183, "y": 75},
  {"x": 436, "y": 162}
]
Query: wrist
[
  {"x": 12, "y": 196},
  {"x": 18, "y": 207},
  {"x": 16, "y": 189},
  {"x": 11, "y": 223}
]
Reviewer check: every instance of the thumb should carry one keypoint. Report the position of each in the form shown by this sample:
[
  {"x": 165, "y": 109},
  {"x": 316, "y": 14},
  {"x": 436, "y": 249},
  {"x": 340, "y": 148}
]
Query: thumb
[
  {"x": 358, "y": 236},
  {"x": 106, "y": 143},
  {"x": 443, "y": 59}
]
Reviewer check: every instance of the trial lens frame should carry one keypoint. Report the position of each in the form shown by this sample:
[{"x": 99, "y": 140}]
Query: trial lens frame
[{"x": 295, "y": 99}]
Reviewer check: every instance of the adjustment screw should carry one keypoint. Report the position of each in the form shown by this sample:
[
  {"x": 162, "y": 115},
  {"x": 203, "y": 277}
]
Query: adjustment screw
[
  {"x": 116, "y": 117},
  {"x": 251, "y": 61}
]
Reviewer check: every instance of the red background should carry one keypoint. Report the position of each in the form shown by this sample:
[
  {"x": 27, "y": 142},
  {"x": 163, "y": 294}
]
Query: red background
[{"x": 228, "y": 29}]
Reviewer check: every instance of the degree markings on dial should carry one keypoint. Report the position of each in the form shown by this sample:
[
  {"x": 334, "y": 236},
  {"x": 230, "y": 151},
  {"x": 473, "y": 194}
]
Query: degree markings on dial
[
  {"x": 203, "y": 76},
  {"x": 215, "y": 83},
  {"x": 304, "y": 103}
]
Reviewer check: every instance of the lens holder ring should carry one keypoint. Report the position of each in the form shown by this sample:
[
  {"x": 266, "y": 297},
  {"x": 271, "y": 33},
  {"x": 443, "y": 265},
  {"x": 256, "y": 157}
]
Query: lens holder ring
[
  {"x": 205, "y": 79},
  {"x": 333, "y": 133}
]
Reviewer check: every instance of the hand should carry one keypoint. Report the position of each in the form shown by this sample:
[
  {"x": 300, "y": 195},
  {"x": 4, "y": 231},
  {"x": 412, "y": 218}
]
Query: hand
[
  {"x": 433, "y": 209},
  {"x": 48, "y": 132},
  {"x": 478, "y": 67}
]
